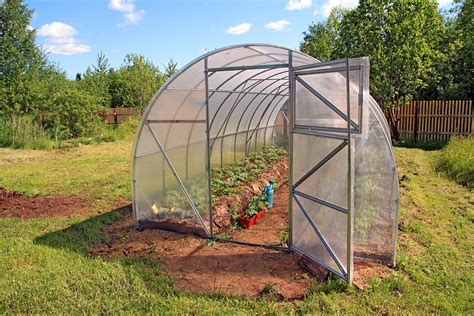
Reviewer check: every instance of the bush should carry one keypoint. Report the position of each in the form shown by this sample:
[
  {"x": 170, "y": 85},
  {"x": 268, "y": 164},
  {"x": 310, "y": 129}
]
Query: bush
[
  {"x": 73, "y": 113},
  {"x": 457, "y": 161},
  {"x": 23, "y": 132}
]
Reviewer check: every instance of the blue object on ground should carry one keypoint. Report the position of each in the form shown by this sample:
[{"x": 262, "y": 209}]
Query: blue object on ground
[{"x": 268, "y": 191}]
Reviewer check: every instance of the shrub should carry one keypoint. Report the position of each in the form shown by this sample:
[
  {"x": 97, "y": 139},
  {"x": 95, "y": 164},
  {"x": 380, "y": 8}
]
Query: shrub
[
  {"x": 457, "y": 161},
  {"x": 73, "y": 113},
  {"x": 23, "y": 132}
]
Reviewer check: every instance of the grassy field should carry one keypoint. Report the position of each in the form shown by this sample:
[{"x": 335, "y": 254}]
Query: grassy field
[{"x": 45, "y": 267}]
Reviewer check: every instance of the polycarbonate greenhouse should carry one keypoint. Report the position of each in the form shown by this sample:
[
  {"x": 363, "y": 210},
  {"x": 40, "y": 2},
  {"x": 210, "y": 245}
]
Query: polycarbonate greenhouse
[{"x": 344, "y": 196}]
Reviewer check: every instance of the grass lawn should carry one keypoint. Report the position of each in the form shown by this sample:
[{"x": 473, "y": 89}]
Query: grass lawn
[{"x": 45, "y": 267}]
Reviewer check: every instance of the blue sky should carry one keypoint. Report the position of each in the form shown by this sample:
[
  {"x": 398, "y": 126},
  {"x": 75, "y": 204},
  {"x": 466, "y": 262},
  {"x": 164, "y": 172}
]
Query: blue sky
[{"x": 75, "y": 31}]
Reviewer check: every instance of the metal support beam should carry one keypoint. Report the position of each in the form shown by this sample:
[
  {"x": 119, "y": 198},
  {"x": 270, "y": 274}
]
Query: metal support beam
[
  {"x": 176, "y": 121},
  {"x": 319, "y": 201},
  {"x": 208, "y": 148},
  {"x": 318, "y": 134},
  {"x": 349, "y": 177},
  {"x": 323, "y": 71},
  {"x": 251, "y": 67}
]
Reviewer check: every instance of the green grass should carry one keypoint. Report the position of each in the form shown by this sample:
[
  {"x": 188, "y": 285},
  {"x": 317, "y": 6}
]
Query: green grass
[
  {"x": 45, "y": 266},
  {"x": 96, "y": 171},
  {"x": 457, "y": 160}
]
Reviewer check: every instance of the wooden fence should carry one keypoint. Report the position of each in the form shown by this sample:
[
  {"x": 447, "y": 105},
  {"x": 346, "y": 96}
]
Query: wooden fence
[
  {"x": 435, "y": 119},
  {"x": 119, "y": 115}
]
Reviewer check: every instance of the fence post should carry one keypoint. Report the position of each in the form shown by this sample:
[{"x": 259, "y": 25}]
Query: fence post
[{"x": 415, "y": 127}]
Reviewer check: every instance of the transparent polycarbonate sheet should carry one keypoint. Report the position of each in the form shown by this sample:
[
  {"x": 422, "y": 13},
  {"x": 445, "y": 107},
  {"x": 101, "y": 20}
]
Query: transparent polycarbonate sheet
[
  {"x": 313, "y": 112},
  {"x": 376, "y": 196},
  {"x": 160, "y": 200},
  {"x": 332, "y": 226},
  {"x": 329, "y": 182}
]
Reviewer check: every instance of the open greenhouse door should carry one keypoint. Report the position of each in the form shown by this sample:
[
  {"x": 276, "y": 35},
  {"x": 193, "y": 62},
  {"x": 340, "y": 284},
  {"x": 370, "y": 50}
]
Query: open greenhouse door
[{"x": 325, "y": 111}]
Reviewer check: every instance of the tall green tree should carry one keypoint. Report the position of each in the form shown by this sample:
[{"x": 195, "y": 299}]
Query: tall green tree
[
  {"x": 20, "y": 58},
  {"x": 137, "y": 80},
  {"x": 401, "y": 39},
  {"x": 320, "y": 39},
  {"x": 96, "y": 80}
]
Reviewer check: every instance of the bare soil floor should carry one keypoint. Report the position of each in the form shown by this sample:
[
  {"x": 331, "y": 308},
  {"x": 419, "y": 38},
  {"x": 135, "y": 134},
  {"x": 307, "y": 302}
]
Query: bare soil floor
[
  {"x": 270, "y": 228},
  {"x": 200, "y": 266},
  {"x": 14, "y": 204}
]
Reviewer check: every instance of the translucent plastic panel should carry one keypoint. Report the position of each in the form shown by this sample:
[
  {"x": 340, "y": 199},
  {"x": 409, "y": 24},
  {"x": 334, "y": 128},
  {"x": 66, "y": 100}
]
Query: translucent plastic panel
[
  {"x": 376, "y": 196},
  {"x": 311, "y": 111},
  {"x": 216, "y": 152},
  {"x": 329, "y": 182},
  {"x": 192, "y": 78},
  {"x": 178, "y": 104},
  {"x": 161, "y": 202},
  {"x": 145, "y": 143},
  {"x": 332, "y": 227},
  {"x": 240, "y": 146}
]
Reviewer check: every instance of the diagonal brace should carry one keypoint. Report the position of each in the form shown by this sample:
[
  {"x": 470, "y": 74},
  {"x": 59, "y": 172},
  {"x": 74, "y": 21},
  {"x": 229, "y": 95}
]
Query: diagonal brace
[
  {"x": 186, "y": 194},
  {"x": 321, "y": 163},
  {"x": 321, "y": 237},
  {"x": 326, "y": 102}
]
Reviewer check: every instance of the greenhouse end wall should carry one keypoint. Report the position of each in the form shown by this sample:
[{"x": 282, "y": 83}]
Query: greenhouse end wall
[{"x": 246, "y": 110}]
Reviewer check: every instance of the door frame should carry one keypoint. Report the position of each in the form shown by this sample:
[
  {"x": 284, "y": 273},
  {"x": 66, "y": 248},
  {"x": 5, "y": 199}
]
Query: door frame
[{"x": 344, "y": 134}]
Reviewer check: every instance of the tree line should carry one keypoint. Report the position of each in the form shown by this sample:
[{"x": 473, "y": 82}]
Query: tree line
[
  {"x": 415, "y": 50},
  {"x": 31, "y": 85}
]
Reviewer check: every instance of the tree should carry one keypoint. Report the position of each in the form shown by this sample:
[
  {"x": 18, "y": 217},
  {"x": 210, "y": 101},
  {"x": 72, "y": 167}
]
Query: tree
[
  {"x": 401, "y": 39},
  {"x": 320, "y": 39},
  {"x": 20, "y": 58},
  {"x": 96, "y": 80},
  {"x": 135, "y": 82},
  {"x": 463, "y": 63}
]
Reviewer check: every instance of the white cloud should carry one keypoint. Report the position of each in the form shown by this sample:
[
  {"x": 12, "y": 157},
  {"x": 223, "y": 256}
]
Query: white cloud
[
  {"x": 239, "y": 29},
  {"x": 443, "y": 3},
  {"x": 60, "y": 39},
  {"x": 132, "y": 17},
  {"x": 57, "y": 32},
  {"x": 298, "y": 4},
  {"x": 122, "y": 5},
  {"x": 277, "y": 26},
  {"x": 66, "y": 49},
  {"x": 130, "y": 14},
  {"x": 326, "y": 8}
]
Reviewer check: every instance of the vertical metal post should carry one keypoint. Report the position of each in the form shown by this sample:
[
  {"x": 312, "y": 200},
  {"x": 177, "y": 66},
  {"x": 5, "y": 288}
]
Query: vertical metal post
[
  {"x": 417, "y": 111},
  {"x": 291, "y": 105},
  {"x": 349, "y": 177},
  {"x": 208, "y": 148}
]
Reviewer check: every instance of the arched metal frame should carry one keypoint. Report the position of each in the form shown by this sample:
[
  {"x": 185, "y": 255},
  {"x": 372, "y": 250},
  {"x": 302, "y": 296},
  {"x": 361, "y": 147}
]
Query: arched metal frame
[{"x": 230, "y": 99}]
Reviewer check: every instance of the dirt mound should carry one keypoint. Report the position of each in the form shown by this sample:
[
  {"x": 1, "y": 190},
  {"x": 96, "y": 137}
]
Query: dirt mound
[
  {"x": 200, "y": 266},
  {"x": 15, "y": 204},
  {"x": 364, "y": 270}
]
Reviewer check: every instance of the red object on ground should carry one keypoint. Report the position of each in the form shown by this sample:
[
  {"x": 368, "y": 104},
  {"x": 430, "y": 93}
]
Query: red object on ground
[
  {"x": 248, "y": 223},
  {"x": 260, "y": 214}
]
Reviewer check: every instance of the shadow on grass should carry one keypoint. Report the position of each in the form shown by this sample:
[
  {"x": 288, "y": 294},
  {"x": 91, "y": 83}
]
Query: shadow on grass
[
  {"x": 92, "y": 231},
  {"x": 425, "y": 145}
]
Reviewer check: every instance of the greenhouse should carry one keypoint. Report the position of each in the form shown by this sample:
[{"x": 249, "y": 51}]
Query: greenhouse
[{"x": 236, "y": 101}]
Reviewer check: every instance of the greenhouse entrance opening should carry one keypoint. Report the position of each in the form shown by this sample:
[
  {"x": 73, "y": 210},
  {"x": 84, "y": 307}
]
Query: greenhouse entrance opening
[{"x": 234, "y": 119}]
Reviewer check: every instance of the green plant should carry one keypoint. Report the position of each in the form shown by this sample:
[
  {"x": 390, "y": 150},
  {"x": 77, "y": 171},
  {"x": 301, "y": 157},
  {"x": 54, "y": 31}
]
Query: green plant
[
  {"x": 256, "y": 204},
  {"x": 283, "y": 241},
  {"x": 23, "y": 132}
]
